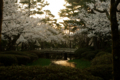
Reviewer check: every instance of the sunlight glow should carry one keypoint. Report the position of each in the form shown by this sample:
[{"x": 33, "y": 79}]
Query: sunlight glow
[
  {"x": 64, "y": 63},
  {"x": 55, "y": 6}
]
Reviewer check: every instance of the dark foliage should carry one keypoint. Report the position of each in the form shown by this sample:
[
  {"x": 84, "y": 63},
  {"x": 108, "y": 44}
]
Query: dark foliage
[
  {"x": 8, "y": 60},
  {"x": 101, "y": 53},
  {"x": 103, "y": 59},
  {"x": 22, "y": 59},
  {"x": 89, "y": 55},
  {"x": 79, "y": 51},
  {"x": 37, "y": 53},
  {"x": 14, "y": 57},
  {"x": 103, "y": 71},
  {"x": 44, "y": 73}
]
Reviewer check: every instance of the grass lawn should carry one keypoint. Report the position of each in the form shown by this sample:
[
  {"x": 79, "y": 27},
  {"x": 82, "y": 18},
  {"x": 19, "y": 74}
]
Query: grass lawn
[
  {"x": 81, "y": 63},
  {"x": 41, "y": 62}
]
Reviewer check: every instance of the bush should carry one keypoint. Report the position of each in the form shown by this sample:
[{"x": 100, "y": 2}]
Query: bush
[
  {"x": 37, "y": 53},
  {"x": 44, "y": 73},
  {"x": 103, "y": 71},
  {"x": 109, "y": 49},
  {"x": 22, "y": 59},
  {"x": 89, "y": 55},
  {"x": 103, "y": 59},
  {"x": 78, "y": 52},
  {"x": 13, "y": 52},
  {"x": 8, "y": 60},
  {"x": 101, "y": 53},
  {"x": 32, "y": 56}
]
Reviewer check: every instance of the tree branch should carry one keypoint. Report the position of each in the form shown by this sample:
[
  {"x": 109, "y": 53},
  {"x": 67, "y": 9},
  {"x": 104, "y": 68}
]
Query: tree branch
[
  {"x": 101, "y": 11},
  {"x": 116, "y": 4},
  {"x": 118, "y": 10}
]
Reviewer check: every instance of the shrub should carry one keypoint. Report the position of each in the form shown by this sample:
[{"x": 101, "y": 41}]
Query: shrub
[
  {"x": 22, "y": 59},
  {"x": 44, "y": 73},
  {"x": 89, "y": 55},
  {"x": 103, "y": 71},
  {"x": 109, "y": 49},
  {"x": 32, "y": 56},
  {"x": 101, "y": 53},
  {"x": 8, "y": 60},
  {"x": 13, "y": 52},
  {"x": 37, "y": 53},
  {"x": 79, "y": 51},
  {"x": 103, "y": 59},
  {"x": 1, "y": 64}
]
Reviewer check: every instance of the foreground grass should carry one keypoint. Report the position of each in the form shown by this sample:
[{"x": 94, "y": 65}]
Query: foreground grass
[
  {"x": 41, "y": 62},
  {"x": 81, "y": 63},
  {"x": 44, "y": 73}
]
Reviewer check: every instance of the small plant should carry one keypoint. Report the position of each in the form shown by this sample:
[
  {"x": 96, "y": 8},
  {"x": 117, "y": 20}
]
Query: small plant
[{"x": 103, "y": 59}]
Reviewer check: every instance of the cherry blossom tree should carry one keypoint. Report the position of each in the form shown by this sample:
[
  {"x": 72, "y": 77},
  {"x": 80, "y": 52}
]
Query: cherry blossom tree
[
  {"x": 109, "y": 22},
  {"x": 18, "y": 27},
  {"x": 96, "y": 20}
]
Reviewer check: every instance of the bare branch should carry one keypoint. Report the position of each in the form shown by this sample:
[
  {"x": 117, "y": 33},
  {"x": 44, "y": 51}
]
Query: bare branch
[
  {"x": 116, "y": 4},
  {"x": 8, "y": 19},
  {"x": 101, "y": 11},
  {"x": 118, "y": 10}
]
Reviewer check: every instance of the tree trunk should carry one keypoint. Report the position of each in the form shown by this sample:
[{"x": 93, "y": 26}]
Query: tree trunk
[
  {"x": 11, "y": 44},
  {"x": 115, "y": 42},
  {"x": 95, "y": 43},
  {"x": 1, "y": 16}
]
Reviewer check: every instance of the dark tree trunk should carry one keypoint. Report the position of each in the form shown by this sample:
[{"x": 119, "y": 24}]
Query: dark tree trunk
[
  {"x": 115, "y": 42},
  {"x": 1, "y": 16},
  {"x": 11, "y": 44},
  {"x": 95, "y": 43}
]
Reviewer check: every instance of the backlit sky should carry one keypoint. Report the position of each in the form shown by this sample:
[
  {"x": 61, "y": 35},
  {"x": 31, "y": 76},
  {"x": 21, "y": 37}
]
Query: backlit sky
[{"x": 55, "y": 6}]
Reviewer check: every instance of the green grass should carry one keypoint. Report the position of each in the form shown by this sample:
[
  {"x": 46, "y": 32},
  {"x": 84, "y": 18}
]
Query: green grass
[
  {"x": 81, "y": 63},
  {"x": 41, "y": 62}
]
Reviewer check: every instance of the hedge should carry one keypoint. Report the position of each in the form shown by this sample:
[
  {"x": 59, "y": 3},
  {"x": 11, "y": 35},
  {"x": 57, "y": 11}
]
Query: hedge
[
  {"x": 44, "y": 73},
  {"x": 8, "y": 60},
  {"x": 103, "y": 59},
  {"x": 103, "y": 71},
  {"x": 16, "y": 57}
]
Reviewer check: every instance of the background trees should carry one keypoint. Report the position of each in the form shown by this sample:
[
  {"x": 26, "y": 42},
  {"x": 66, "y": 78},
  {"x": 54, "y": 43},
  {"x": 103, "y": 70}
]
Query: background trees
[
  {"x": 19, "y": 28},
  {"x": 33, "y": 7},
  {"x": 94, "y": 22}
]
